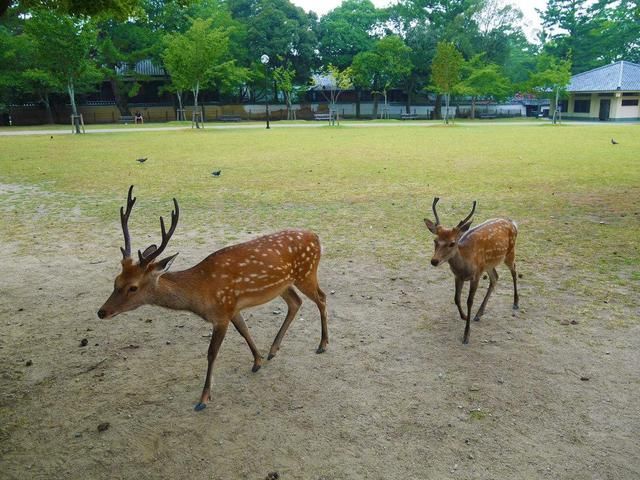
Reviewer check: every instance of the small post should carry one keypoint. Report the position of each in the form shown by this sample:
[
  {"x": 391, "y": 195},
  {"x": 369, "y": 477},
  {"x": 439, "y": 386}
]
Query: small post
[{"x": 264, "y": 59}]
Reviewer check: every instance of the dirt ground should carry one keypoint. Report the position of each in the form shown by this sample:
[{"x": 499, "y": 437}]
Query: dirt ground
[{"x": 396, "y": 395}]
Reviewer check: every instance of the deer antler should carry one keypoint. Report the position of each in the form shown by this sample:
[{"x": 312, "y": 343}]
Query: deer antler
[
  {"x": 433, "y": 207},
  {"x": 124, "y": 219},
  {"x": 468, "y": 216},
  {"x": 152, "y": 252}
]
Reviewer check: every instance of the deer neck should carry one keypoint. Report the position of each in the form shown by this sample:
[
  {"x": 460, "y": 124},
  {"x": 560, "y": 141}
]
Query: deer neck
[
  {"x": 460, "y": 266},
  {"x": 174, "y": 291}
]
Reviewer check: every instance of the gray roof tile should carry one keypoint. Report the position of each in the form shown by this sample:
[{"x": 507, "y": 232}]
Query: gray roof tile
[{"x": 623, "y": 76}]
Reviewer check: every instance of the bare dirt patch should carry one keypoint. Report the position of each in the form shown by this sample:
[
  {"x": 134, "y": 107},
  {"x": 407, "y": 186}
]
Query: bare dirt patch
[{"x": 396, "y": 396}]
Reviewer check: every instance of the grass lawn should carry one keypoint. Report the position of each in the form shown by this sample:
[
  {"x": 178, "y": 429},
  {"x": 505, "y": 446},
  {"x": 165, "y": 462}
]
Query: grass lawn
[
  {"x": 544, "y": 392},
  {"x": 575, "y": 196}
]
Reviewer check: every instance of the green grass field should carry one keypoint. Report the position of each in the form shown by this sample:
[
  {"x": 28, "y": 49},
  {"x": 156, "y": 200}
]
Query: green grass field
[{"x": 575, "y": 196}]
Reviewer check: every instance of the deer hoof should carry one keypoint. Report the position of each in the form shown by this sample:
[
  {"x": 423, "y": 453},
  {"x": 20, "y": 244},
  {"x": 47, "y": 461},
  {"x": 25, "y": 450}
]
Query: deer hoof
[
  {"x": 320, "y": 350},
  {"x": 270, "y": 356},
  {"x": 256, "y": 368},
  {"x": 515, "y": 306},
  {"x": 200, "y": 406},
  {"x": 476, "y": 318}
]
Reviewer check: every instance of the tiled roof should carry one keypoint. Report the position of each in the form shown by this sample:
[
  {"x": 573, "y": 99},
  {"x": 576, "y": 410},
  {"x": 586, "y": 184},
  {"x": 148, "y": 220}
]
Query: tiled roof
[
  {"x": 622, "y": 76},
  {"x": 143, "y": 67}
]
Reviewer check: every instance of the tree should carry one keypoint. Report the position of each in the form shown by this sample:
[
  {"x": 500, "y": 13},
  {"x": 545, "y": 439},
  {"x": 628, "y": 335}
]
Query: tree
[
  {"x": 346, "y": 31},
  {"x": 387, "y": 65},
  {"x": 283, "y": 78},
  {"x": 446, "y": 68},
  {"x": 120, "y": 9},
  {"x": 331, "y": 82},
  {"x": 199, "y": 58},
  {"x": 551, "y": 79},
  {"x": 279, "y": 29},
  {"x": 120, "y": 46},
  {"x": 62, "y": 53},
  {"x": 483, "y": 80}
]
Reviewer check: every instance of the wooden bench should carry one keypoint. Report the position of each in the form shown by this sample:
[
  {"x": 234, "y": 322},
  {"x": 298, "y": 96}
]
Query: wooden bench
[
  {"x": 322, "y": 116},
  {"x": 127, "y": 118},
  {"x": 408, "y": 116},
  {"x": 229, "y": 118}
]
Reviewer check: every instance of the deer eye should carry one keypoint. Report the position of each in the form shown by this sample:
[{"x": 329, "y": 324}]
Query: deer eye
[
  {"x": 452, "y": 244},
  {"x": 133, "y": 288}
]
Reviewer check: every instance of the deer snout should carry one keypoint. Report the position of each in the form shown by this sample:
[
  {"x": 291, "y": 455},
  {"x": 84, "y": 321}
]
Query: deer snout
[{"x": 435, "y": 262}]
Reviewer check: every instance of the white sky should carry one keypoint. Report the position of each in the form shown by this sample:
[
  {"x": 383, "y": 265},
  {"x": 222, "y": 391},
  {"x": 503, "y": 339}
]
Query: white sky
[{"x": 531, "y": 19}]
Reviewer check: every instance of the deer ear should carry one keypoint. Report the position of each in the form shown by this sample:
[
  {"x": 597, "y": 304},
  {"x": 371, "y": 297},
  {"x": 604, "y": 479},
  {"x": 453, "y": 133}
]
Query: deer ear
[
  {"x": 463, "y": 228},
  {"x": 430, "y": 225},
  {"x": 162, "y": 266}
]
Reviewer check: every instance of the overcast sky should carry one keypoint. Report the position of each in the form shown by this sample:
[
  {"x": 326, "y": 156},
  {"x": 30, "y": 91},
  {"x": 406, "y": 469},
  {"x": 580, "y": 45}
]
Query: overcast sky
[{"x": 528, "y": 7}]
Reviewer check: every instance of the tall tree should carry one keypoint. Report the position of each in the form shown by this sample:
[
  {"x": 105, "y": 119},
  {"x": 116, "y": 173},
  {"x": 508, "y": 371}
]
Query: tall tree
[
  {"x": 565, "y": 31},
  {"x": 387, "y": 65},
  {"x": 346, "y": 31},
  {"x": 447, "y": 65},
  {"x": 282, "y": 31},
  {"x": 63, "y": 47},
  {"x": 199, "y": 58},
  {"x": 331, "y": 82},
  {"x": 121, "y": 45},
  {"x": 551, "y": 79},
  {"x": 483, "y": 80}
]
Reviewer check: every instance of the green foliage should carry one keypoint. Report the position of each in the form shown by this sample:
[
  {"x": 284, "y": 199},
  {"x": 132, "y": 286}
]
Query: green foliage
[
  {"x": 200, "y": 57},
  {"x": 551, "y": 75},
  {"x": 346, "y": 31},
  {"x": 446, "y": 67},
  {"x": 484, "y": 80},
  {"x": 62, "y": 47},
  {"x": 120, "y": 9},
  {"x": 386, "y": 65}
]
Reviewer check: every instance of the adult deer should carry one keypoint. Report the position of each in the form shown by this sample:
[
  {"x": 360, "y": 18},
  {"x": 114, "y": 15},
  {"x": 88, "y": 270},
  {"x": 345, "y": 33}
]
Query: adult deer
[
  {"x": 223, "y": 284},
  {"x": 470, "y": 253}
]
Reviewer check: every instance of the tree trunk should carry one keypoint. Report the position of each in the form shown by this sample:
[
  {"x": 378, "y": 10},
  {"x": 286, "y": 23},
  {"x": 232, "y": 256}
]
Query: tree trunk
[
  {"x": 358, "y": 100},
  {"x": 446, "y": 111},
  {"x": 437, "y": 109},
  {"x": 180, "y": 115},
  {"x": 473, "y": 108},
  {"x": 122, "y": 101},
  {"x": 410, "y": 86},
  {"x": 196, "y": 115},
  {"x": 375, "y": 105},
  {"x": 74, "y": 109},
  {"x": 47, "y": 106}
]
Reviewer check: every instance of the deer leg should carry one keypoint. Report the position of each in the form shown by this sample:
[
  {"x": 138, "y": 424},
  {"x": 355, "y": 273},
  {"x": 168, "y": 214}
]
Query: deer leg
[
  {"x": 473, "y": 286},
  {"x": 456, "y": 296},
  {"x": 493, "y": 279},
  {"x": 312, "y": 290},
  {"x": 219, "y": 331},
  {"x": 238, "y": 322},
  {"x": 293, "y": 303},
  {"x": 510, "y": 261}
]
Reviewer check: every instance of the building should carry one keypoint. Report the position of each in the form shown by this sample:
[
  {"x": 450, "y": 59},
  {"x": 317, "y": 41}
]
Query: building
[{"x": 607, "y": 93}]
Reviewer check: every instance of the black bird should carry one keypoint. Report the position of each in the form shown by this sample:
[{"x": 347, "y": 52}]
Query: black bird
[
  {"x": 141, "y": 160},
  {"x": 216, "y": 173},
  {"x": 613, "y": 142}
]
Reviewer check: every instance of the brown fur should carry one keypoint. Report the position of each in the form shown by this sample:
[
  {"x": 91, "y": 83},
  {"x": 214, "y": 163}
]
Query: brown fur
[
  {"x": 225, "y": 283},
  {"x": 470, "y": 253}
]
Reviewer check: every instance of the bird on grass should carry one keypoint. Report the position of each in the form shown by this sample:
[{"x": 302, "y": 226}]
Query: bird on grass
[
  {"x": 216, "y": 173},
  {"x": 141, "y": 160},
  {"x": 613, "y": 142}
]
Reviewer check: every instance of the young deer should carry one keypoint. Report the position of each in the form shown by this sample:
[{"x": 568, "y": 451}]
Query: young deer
[
  {"x": 470, "y": 253},
  {"x": 223, "y": 284}
]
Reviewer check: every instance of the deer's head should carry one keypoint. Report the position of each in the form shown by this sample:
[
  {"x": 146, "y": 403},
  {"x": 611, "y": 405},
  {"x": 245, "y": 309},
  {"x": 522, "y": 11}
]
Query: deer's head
[
  {"x": 135, "y": 284},
  {"x": 446, "y": 239}
]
